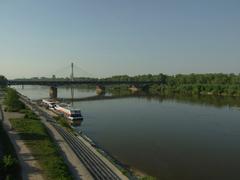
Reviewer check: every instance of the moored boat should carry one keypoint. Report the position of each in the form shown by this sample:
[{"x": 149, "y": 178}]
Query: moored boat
[
  {"x": 49, "y": 103},
  {"x": 74, "y": 116},
  {"x": 70, "y": 113}
]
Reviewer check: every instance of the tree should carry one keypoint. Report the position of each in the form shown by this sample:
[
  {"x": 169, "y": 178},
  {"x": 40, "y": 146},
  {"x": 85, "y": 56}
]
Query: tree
[{"x": 3, "y": 81}]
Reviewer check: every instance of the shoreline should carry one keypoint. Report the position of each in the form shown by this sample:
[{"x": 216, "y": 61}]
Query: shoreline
[
  {"x": 131, "y": 170},
  {"x": 121, "y": 168}
]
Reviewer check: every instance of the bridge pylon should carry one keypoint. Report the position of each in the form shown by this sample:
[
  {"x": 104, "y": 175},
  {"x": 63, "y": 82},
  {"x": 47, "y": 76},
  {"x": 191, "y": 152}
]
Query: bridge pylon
[
  {"x": 72, "y": 73},
  {"x": 53, "y": 92}
]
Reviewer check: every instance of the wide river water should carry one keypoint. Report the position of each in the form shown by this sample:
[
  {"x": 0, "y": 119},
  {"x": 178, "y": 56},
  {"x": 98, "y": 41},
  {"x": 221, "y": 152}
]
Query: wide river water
[{"x": 181, "y": 138}]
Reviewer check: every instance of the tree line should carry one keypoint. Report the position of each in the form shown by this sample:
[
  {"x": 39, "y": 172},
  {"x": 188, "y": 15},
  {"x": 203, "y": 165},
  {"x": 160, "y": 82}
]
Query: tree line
[
  {"x": 178, "y": 79},
  {"x": 207, "y": 84}
]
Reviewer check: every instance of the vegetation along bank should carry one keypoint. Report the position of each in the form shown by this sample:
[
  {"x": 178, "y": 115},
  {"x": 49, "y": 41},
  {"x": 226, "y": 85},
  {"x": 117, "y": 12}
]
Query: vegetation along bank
[{"x": 36, "y": 137}]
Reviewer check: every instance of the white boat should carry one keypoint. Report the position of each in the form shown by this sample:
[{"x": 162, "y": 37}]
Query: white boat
[
  {"x": 49, "y": 104},
  {"x": 68, "y": 112}
]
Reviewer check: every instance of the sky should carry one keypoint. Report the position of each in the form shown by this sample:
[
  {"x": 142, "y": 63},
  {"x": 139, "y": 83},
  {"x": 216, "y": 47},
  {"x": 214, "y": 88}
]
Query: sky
[{"x": 113, "y": 37}]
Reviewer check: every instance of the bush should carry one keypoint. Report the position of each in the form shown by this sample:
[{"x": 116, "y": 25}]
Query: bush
[
  {"x": 12, "y": 101},
  {"x": 8, "y": 167},
  {"x": 8, "y": 164},
  {"x": 30, "y": 115}
]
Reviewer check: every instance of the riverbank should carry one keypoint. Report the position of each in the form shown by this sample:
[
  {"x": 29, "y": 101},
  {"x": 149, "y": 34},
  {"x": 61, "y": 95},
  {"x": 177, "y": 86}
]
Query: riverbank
[
  {"x": 97, "y": 149},
  {"x": 96, "y": 161},
  {"x": 32, "y": 142},
  {"x": 77, "y": 168},
  {"x": 124, "y": 168}
]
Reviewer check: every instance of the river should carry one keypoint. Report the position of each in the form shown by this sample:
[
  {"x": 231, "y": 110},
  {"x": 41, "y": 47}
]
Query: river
[{"x": 186, "y": 138}]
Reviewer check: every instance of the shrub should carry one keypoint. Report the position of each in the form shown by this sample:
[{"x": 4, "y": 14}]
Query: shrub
[
  {"x": 12, "y": 101},
  {"x": 8, "y": 166}
]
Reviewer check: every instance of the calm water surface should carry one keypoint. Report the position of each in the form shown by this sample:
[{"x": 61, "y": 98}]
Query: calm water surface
[{"x": 166, "y": 138}]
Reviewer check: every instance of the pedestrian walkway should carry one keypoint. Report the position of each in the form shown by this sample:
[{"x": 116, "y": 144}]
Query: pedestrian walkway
[{"x": 30, "y": 168}]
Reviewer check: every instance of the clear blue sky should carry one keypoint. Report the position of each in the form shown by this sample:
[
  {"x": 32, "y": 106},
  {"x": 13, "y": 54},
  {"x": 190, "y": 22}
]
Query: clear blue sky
[{"x": 107, "y": 37}]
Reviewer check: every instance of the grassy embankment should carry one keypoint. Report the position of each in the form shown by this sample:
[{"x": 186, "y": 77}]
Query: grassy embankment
[{"x": 36, "y": 137}]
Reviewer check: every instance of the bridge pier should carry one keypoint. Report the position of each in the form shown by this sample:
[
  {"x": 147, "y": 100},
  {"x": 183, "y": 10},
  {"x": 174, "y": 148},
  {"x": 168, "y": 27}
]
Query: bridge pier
[
  {"x": 53, "y": 92},
  {"x": 134, "y": 88},
  {"x": 100, "y": 89}
]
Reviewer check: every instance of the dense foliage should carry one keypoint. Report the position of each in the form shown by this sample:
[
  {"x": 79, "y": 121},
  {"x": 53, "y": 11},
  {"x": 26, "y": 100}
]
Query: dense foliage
[
  {"x": 210, "y": 84},
  {"x": 182, "y": 78}
]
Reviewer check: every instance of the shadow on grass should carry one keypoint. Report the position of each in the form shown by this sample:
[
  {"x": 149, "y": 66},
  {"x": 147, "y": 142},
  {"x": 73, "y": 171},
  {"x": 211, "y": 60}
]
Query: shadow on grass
[{"x": 32, "y": 136}]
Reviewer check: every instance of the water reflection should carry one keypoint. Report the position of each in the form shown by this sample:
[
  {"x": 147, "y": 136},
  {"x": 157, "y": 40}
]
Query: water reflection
[
  {"x": 40, "y": 92},
  {"x": 215, "y": 101}
]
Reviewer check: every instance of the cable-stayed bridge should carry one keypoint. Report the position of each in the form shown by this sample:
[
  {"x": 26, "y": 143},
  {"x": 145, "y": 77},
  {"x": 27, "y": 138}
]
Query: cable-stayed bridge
[{"x": 55, "y": 82}]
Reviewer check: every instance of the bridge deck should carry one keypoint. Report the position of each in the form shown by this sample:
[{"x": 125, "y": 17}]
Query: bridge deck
[{"x": 77, "y": 82}]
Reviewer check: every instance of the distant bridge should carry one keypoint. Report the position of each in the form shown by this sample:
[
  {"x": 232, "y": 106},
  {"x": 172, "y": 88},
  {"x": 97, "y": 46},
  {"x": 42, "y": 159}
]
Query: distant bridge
[
  {"x": 72, "y": 81},
  {"x": 99, "y": 83},
  {"x": 78, "y": 82}
]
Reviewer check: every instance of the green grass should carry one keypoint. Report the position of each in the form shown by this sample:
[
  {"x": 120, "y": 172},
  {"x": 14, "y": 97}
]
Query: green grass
[
  {"x": 36, "y": 137},
  {"x": 148, "y": 178},
  {"x": 63, "y": 122}
]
